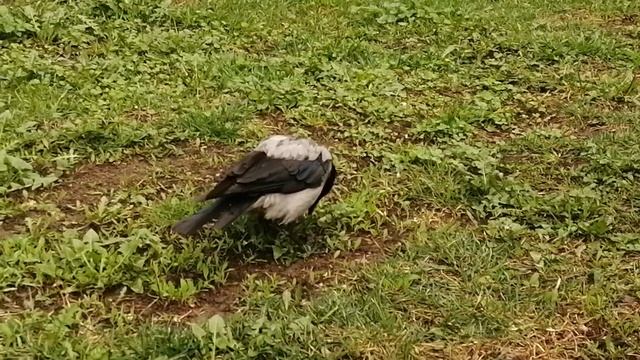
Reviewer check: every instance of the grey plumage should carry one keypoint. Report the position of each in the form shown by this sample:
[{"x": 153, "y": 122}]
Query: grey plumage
[{"x": 284, "y": 177}]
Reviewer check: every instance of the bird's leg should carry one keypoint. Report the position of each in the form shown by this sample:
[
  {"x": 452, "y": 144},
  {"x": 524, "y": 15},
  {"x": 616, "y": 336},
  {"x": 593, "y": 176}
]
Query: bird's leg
[
  {"x": 268, "y": 227},
  {"x": 275, "y": 228},
  {"x": 291, "y": 227}
]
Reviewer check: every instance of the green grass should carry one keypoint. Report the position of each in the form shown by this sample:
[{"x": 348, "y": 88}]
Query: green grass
[{"x": 487, "y": 205}]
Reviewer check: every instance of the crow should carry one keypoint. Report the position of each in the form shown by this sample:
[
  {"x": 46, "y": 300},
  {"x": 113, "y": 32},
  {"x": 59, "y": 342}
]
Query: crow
[{"x": 282, "y": 178}]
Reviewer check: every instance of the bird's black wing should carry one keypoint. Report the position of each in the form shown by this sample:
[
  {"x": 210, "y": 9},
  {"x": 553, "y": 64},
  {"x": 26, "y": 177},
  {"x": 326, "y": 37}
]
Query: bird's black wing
[
  {"x": 257, "y": 174},
  {"x": 231, "y": 175},
  {"x": 326, "y": 188}
]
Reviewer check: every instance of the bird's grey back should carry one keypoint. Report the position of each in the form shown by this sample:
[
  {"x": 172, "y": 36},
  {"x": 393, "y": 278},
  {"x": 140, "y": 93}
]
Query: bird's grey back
[{"x": 289, "y": 148}]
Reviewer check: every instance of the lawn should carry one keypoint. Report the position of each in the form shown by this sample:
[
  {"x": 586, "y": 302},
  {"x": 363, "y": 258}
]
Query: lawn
[{"x": 486, "y": 205}]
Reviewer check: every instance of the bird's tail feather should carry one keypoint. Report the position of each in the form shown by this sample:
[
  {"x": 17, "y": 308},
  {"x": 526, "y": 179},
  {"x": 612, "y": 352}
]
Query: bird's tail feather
[{"x": 223, "y": 210}]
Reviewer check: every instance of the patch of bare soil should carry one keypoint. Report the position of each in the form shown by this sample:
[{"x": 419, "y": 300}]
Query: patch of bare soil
[
  {"x": 572, "y": 332},
  {"x": 627, "y": 25},
  {"x": 545, "y": 112},
  {"x": 574, "y": 16},
  {"x": 311, "y": 274},
  {"x": 88, "y": 183},
  {"x": 551, "y": 108},
  {"x": 196, "y": 162},
  {"x": 564, "y": 342},
  {"x": 142, "y": 115}
]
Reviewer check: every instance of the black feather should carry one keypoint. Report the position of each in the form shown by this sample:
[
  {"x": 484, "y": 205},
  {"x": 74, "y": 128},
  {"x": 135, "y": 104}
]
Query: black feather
[
  {"x": 224, "y": 211},
  {"x": 232, "y": 174},
  {"x": 260, "y": 175},
  {"x": 328, "y": 185}
]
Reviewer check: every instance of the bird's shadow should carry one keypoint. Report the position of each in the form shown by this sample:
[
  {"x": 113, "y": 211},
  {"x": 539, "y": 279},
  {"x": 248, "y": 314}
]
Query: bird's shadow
[{"x": 253, "y": 238}]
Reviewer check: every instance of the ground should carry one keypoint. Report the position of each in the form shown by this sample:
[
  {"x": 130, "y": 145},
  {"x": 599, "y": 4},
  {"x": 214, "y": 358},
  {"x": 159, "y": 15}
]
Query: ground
[{"x": 486, "y": 205}]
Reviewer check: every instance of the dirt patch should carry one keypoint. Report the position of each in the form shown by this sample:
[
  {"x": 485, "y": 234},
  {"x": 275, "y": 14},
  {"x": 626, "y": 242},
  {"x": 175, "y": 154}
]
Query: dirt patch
[
  {"x": 629, "y": 305},
  {"x": 629, "y": 19},
  {"x": 592, "y": 130},
  {"x": 548, "y": 113},
  {"x": 142, "y": 115},
  {"x": 9, "y": 231},
  {"x": 564, "y": 342},
  {"x": 530, "y": 112},
  {"x": 88, "y": 183},
  {"x": 573, "y": 16},
  {"x": 186, "y": 2},
  {"x": 572, "y": 335},
  {"x": 587, "y": 18},
  {"x": 311, "y": 274},
  {"x": 219, "y": 301},
  {"x": 627, "y": 25}
]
